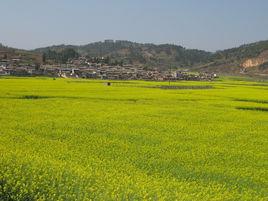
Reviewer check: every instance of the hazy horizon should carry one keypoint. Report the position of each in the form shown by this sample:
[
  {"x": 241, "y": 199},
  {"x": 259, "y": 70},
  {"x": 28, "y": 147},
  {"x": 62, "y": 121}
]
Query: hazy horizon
[{"x": 208, "y": 25}]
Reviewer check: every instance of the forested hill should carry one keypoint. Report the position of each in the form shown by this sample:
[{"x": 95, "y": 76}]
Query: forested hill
[
  {"x": 249, "y": 58},
  {"x": 244, "y": 51},
  {"x": 165, "y": 56},
  {"x": 151, "y": 55},
  {"x": 26, "y": 57}
]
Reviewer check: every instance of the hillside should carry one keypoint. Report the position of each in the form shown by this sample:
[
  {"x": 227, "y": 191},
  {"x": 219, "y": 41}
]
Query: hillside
[
  {"x": 23, "y": 56},
  {"x": 150, "y": 55},
  {"x": 249, "y": 59},
  {"x": 246, "y": 59}
]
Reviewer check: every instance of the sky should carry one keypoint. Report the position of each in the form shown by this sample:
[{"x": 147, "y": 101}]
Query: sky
[{"x": 201, "y": 24}]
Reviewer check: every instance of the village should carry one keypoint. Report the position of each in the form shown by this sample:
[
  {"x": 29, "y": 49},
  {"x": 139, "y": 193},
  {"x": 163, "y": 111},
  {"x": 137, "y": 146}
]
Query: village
[{"x": 83, "y": 68}]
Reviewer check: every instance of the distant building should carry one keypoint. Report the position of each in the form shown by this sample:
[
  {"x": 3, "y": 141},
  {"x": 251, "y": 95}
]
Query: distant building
[
  {"x": 121, "y": 41},
  {"x": 109, "y": 41}
]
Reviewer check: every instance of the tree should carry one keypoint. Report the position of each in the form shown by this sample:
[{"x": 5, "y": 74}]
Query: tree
[
  {"x": 44, "y": 57},
  {"x": 61, "y": 57},
  {"x": 37, "y": 66},
  {"x": 107, "y": 60}
]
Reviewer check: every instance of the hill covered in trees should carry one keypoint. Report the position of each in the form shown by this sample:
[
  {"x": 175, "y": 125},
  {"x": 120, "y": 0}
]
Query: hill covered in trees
[
  {"x": 164, "y": 56},
  {"x": 234, "y": 60},
  {"x": 247, "y": 59},
  {"x": 24, "y": 56},
  {"x": 149, "y": 55}
]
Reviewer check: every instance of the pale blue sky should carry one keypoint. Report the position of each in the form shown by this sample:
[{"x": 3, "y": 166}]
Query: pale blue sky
[{"x": 202, "y": 24}]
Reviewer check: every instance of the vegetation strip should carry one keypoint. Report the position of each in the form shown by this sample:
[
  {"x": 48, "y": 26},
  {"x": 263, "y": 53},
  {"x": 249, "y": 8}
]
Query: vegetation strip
[
  {"x": 252, "y": 101},
  {"x": 263, "y": 109},
  {"x": 181, "y": 87}
]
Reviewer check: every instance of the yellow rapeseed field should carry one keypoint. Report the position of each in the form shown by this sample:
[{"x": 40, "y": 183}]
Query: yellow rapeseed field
[{"x": 74, "y": 139}]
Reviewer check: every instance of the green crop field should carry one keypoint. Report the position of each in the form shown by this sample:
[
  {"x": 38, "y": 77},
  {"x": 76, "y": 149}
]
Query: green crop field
[{"x": 73, "y": 139}]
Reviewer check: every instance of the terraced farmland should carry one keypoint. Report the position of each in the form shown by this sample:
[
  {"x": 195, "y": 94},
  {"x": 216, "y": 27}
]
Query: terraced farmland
[{"x": 71, "y": 139}]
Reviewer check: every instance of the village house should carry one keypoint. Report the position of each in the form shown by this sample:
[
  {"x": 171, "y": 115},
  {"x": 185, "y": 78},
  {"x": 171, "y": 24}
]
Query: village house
[{"x": 81, "y": 68}]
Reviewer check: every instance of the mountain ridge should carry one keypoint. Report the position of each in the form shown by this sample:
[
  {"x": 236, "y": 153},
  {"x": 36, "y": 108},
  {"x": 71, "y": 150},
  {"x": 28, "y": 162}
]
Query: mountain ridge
[{"x": 165, "y": 56}]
